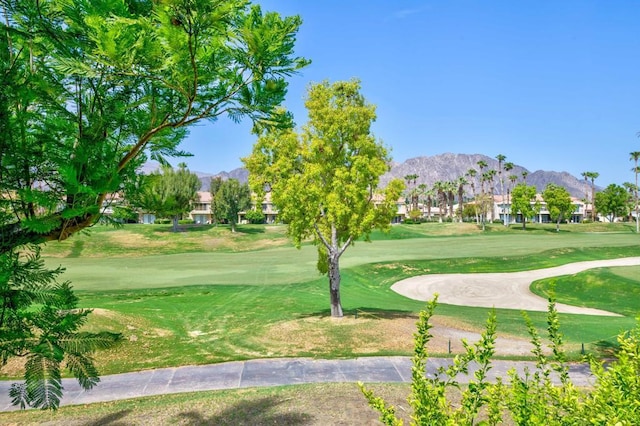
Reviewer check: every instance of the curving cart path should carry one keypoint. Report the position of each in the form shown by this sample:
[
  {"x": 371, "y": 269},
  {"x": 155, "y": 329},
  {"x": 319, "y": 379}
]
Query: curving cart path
[{"x": 508, "y": 290}]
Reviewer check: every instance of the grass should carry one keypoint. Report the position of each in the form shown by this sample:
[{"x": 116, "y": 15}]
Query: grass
[
  {"x": 198, "y": 324},
  {"x": 314, "y": 404},
  {"x": 204, "y": 296},
  {"x": 613, "y": 289}
]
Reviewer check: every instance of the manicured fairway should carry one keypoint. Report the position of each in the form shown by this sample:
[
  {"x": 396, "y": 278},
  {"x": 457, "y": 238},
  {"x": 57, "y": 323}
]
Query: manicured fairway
[
  {"x": 286, "y": 265},
  {"x": 217, "y": 304}
]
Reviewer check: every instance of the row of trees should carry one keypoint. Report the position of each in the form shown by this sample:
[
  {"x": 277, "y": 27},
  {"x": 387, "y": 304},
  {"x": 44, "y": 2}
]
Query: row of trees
[
  {"x": 170, "y": 193},
  {"x": 614, "y": 201}
]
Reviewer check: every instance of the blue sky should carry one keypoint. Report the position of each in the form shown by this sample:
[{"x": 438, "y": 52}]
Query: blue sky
[{"x": 553, "y": 85}]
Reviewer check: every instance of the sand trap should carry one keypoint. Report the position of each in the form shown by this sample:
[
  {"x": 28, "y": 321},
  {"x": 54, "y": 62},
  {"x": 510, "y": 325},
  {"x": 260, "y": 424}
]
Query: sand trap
[{"x": 501, "y": 290}]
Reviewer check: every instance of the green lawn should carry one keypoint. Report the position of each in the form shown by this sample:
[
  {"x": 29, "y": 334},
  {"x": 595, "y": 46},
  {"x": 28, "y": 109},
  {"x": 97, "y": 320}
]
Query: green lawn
[{"x": 177, "y": 306}]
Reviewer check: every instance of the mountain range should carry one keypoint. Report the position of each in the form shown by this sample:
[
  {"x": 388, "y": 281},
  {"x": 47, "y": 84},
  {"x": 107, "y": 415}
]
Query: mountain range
[{"x": 446, "y": 167}]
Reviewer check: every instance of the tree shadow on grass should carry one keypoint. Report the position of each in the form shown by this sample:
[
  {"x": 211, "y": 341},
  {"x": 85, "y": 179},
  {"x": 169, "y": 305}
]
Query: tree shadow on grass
[
  {"x": 263, "y": 411},
  {"x": 364, "y": 312},
  {"x": 113, "y": 419}
]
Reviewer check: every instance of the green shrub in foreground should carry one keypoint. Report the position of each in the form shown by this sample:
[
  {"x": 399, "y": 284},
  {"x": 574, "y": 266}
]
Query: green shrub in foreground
[{"x": 532, "y": 399}]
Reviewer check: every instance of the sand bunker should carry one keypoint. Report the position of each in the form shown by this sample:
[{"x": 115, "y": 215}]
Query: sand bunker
[{"x": 508, "y": 290}]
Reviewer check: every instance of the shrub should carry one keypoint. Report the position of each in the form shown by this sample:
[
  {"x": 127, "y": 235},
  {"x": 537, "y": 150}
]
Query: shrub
[
  {"x": 255, "y": 216},
  {"x": 529, "y": 399},
  {"x": 186, "y": 222},
  {"x": 162, "y": 221}
]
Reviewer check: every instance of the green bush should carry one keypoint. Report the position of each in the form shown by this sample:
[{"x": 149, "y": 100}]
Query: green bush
[
  {"x": 530, "y": 399},
  {"x": 162, "y": 221},
  {"x": 255, "y": 216},
  {"x": 186, "y": 222}
]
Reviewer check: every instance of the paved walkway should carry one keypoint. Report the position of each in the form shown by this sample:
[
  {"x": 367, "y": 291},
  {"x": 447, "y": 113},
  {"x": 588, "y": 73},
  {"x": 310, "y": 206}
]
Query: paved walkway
[{"x": 265, "y": 372}]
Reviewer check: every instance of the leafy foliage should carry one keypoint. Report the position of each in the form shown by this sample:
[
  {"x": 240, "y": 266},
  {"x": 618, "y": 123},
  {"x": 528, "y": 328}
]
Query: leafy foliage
[
  {"x": 558, "y": 202},
  {"x": 231, "y": 198},
  {"x": 613, "y": 201},
  {"x": 544, "y": 396},
  {"x": 93, "y": 88},
  {"x": 169, "y": 193},
  {"x": 324, "y": 180},
  {"x": 523, "y": 201},
  {"x": 39, "y": 320}
]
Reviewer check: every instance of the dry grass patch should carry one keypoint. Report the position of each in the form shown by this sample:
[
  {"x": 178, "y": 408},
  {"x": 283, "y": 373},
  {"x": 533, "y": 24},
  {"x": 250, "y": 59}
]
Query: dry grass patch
[{"x": 368, "y": 335}]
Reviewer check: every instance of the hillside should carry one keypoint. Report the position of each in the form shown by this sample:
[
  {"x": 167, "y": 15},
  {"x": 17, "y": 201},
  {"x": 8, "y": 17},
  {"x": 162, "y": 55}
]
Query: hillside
[{"x": 445, "y": 167}]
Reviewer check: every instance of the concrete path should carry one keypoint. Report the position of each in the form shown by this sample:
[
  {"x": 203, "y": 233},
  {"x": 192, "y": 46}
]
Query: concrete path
[
  {"x": 508, "y": 290},
  {"x": 266, "y": 372}
]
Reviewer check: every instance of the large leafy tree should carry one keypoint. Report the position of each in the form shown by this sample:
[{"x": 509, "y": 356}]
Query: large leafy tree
[
  {"x": 92, "y": 87},
  {"x": 324, "y": 179},
  {"x": 231, "y": 198},
  {"x": 613, "y": 201},
  {"x": 168, "y": 193},
  {"x": 523, "y": 201},
  {"x": 89, "y": 89},
  {"x": 635, "y": 156},
  {"x": 558, "y": 202}
]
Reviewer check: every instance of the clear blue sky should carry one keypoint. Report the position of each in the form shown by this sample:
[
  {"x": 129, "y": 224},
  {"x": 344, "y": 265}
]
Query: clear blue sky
[{"x": 553, "y": 85}]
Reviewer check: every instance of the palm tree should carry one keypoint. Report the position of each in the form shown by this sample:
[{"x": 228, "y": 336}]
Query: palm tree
[
  {"x": 491, "y": 174},
  {"x": 635, "y": 156},
  {"x": 413, "y": 194},
  {"x": 592, "y": 176},
  {"x": 501, "y": 159},
  {"x": 471, "y": 174},
  {"x": 441, "y": 198},
  {"x": 451, "y": 188},
  {"x": 508, "y": 166},
  {"x": 461, "y": 182},
  {"x": 422, "y": 192},
  {"x": 524, "y": 176},
  {"x": 513, "y": 179}
]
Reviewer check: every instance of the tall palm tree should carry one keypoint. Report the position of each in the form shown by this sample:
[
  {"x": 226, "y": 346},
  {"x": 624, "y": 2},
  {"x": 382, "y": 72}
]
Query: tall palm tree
[
  {"x": 524, "y": 176},
  {"x": 441, "y": 198},
  {"x": 422, "y": 192},
  {"x": 508, "y": 166},
  {"x": 461, "y": 182},
  {"x": 491, "y": 174},
  {"x": 501, "y": 159},
  {"x": 513, "y": 179},
  {"x": 592, "y": 176},
  {"x": 413, "y": 194},
  {"x": 635, "y": 156},
  {"x": 451, "y": 188},
  {"x": 471, "y": 174}
]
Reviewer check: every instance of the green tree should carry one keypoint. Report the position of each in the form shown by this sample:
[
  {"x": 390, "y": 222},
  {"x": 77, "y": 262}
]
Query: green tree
[
  {"x": 635, "y": 156},
  {"x": 89, "y": 90},
  {"x": 40, "y": 322},
  {"x": 92, "y": 88},
  {"x": 170, "y": 193},
  {"x": 558, "y": 202},
  {"x": 324, "y": 179},
  {"x": 214, "y": 187},
  {"x": 231, "y": 198},
  {"x": 255, "y": 216},
  {"x": 523, "y": 201},
  {"x": 613, "y": 201}
]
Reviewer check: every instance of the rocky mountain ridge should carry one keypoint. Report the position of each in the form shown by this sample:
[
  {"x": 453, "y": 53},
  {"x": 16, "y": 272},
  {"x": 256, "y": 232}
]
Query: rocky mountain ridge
[{"x": 446, "y": 167}]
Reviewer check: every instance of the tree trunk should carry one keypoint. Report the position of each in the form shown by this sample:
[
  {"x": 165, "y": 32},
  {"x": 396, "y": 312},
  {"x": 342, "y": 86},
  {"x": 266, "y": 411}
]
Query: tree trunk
[
  {"x": 558, "y": 225},
  {"x": 175, "y": 223},
  {"x": 524, "y": 223},
  {"x": 334, "y": 285}
]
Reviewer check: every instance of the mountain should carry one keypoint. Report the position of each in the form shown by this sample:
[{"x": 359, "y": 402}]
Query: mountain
[
  {"x": 240, "y": 174},
  {"x": 443, "y": 167},
  {"x": 448, "y": 167}
]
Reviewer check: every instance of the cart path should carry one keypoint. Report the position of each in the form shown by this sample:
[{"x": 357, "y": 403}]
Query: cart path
[
  {"x": 508, "y": 290},
  {"x": 272, "y": 372}
]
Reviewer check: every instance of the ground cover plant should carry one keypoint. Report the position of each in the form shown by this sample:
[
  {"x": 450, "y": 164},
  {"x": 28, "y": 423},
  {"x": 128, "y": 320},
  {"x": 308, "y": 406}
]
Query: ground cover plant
[{"x": 545, "y": 395}]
